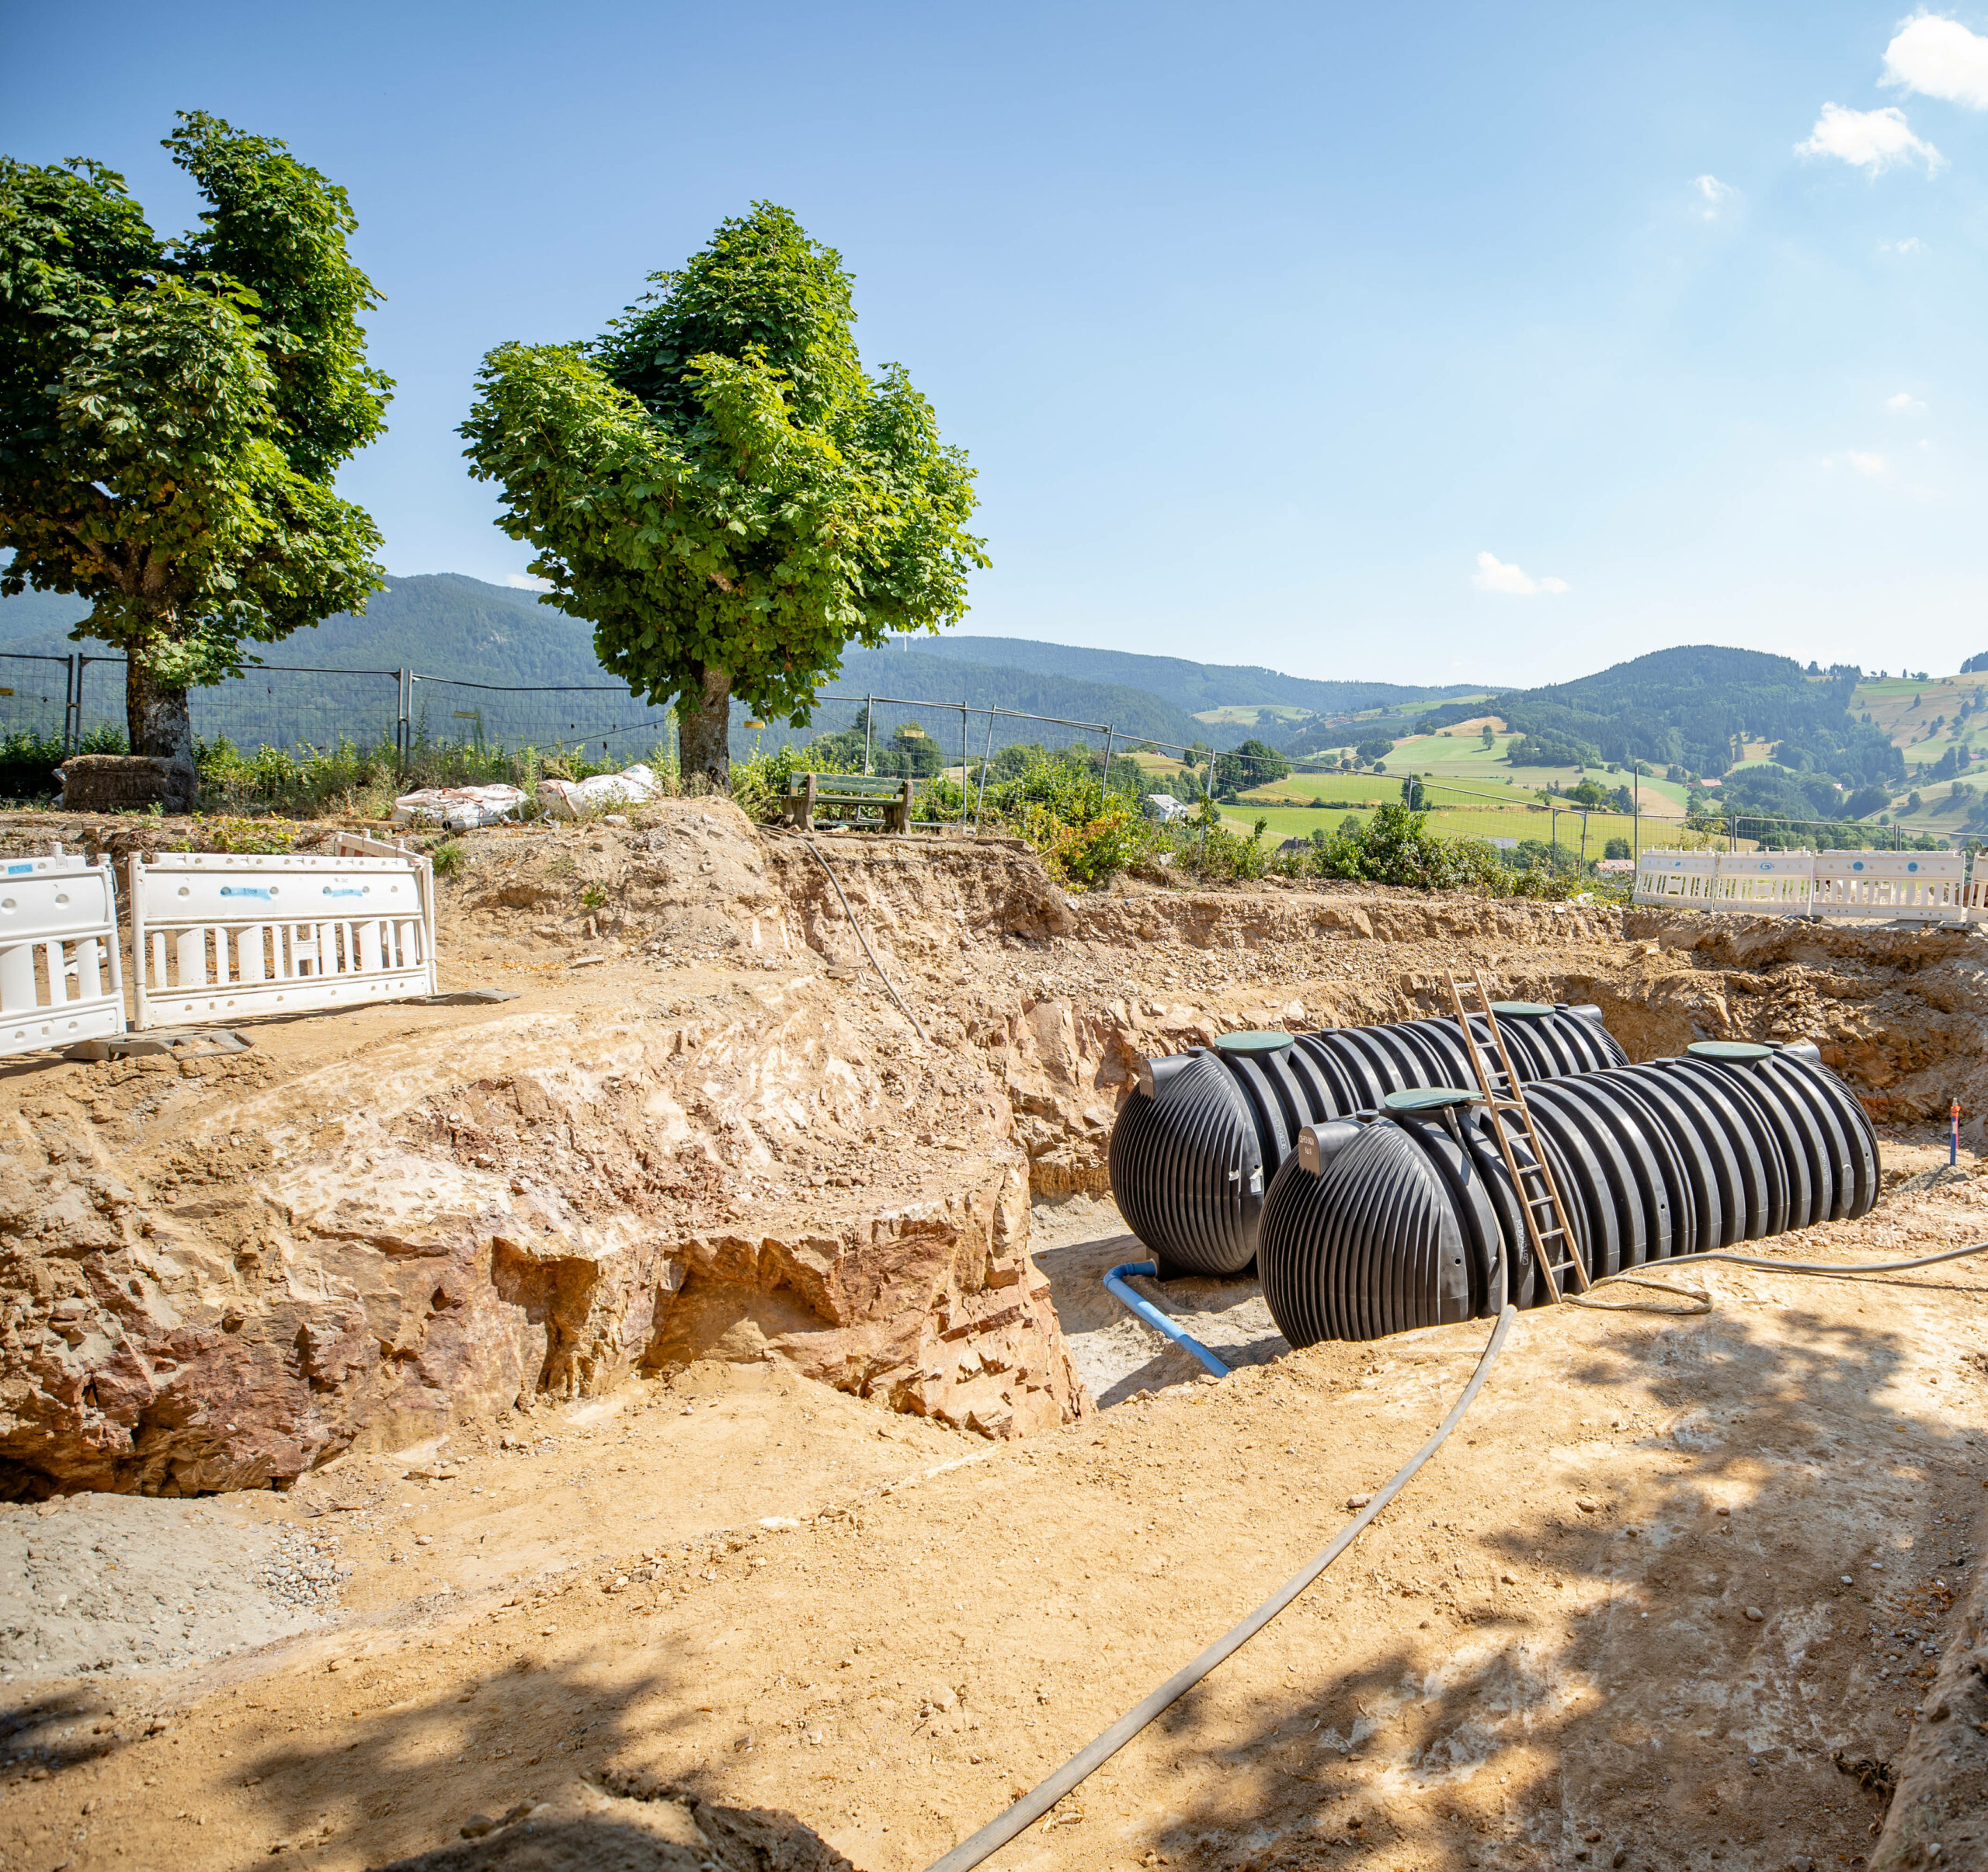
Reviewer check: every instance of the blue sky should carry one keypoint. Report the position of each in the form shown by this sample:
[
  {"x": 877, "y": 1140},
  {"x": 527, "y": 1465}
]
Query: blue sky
[{"x": 1329, "y": 338}]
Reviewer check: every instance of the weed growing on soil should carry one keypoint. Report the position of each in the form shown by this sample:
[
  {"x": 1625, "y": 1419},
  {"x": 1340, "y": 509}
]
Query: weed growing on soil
[{"x": 365, "y": 780}]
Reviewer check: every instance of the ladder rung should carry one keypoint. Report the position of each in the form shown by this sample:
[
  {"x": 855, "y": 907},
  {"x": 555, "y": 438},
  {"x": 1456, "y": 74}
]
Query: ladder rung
[{"x": 1547, "y": 1234}]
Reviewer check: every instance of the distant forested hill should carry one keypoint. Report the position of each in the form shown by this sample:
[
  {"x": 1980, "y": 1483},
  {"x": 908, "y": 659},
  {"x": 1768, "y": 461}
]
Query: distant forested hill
[
  {"x": 916, "y": 672},
  {"x": 459, "y": 632},
  {"x": 1191, "y": 687},
  {"x": 1695, "y": 708},
  {"x": 442, "y": 624}
]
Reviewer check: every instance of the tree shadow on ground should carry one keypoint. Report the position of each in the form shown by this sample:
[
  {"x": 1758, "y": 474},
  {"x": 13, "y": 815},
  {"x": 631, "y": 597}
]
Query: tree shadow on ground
[
  {"x": 1702, "y": 1701},
  {"x": 457, "y": 1762}
]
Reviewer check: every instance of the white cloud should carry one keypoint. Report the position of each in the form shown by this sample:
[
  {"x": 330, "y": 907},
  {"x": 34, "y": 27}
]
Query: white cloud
[
  {"x": 1873, "y": 140},
  {"x": 1873, "y": 466},
  {"x": 1905, "y": 404},
  {"x": 1493, "y": 575},
  {"x": 524, "y": 582},
  {"x": 1713, "y": 195},
  {"x": 1911, "y": 244},
  {"x": 1939, "y": 58}
]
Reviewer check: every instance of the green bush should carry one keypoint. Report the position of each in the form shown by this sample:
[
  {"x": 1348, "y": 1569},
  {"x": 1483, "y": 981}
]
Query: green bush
[
  {"x": 759, "y": 781},
  {"x": 1085, "y": 832},
  {"x": 28, "y": 759}
]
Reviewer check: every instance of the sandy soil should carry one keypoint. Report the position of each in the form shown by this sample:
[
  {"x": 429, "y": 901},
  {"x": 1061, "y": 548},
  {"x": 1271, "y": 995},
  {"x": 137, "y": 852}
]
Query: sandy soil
[
  {"x": 761, "y": 1593},
  {"x": 1667, "y": 1571}
]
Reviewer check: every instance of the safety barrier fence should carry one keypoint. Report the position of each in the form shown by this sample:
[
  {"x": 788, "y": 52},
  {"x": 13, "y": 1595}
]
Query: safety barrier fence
[
  {"x": 1880, "y": 886},
  {"x": 62, "y": 979},
  {"x": 214, "y": 936}
]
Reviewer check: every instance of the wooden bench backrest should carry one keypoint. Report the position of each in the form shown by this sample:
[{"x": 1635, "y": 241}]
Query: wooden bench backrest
[{"x": 847, "y": 786}]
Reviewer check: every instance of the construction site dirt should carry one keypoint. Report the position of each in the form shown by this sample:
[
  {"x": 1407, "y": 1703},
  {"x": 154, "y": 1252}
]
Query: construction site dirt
[{"x": 671, "y": 1417}]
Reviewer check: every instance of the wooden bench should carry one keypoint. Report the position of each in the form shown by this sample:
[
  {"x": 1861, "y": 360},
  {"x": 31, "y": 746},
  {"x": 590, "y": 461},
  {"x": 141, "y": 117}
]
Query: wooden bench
[{"x": 807, "y": 791}]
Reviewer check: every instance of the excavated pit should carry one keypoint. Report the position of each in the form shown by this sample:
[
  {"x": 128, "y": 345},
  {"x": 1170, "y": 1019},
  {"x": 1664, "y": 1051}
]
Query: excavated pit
[
  {"x": 718, "y": 1137},
  {"x": 684, "y": 1377}
]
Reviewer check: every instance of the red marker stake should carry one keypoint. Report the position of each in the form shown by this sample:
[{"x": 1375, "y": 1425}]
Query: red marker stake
[{"x": 1953, "y": 1135}]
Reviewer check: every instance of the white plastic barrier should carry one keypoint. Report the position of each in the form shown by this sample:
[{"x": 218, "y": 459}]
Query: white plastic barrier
[
  {"x": 61, "y": 978},
  {"x": 1765, "y": 884},
  {"x": 1893, "y": 887},
  {"x": 1675, "y": 878},
  {"x": 223, "y": 936}
]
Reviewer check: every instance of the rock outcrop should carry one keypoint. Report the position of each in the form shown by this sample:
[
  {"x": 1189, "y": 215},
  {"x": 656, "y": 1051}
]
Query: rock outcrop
[{"x": 219, "y": 1271}]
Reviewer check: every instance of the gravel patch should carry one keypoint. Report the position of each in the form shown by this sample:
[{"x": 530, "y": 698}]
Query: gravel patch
[
  {"x": 1075, "y": 1243},
  {"x": 104, "y": 1586}
]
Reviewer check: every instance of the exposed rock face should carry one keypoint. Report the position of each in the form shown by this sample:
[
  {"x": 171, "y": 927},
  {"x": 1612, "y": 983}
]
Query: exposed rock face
[
  {"x": 216, "y": 1271},
  {"x": 219, "y": 1271}
]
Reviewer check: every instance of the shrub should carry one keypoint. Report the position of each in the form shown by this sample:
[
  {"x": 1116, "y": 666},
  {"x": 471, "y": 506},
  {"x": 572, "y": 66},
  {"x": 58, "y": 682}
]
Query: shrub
[
  {"x": 759, "y": 781},
  {"x": 28, "y": 759},
  {"x": 1084, "y": 831}
]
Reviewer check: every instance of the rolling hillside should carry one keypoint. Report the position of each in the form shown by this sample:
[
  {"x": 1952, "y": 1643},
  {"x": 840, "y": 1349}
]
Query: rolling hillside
[{"x": 1236, "y": 690}]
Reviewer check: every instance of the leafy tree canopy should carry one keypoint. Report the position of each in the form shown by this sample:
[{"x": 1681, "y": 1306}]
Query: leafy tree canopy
[
  {"x": 1249, "y": 763},
  {"x": 171, "y": 411},
  {"x": 721, "y": 488}
]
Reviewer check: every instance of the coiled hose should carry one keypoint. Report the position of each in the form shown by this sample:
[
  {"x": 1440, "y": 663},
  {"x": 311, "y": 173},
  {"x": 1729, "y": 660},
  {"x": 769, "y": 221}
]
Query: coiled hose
[{"x": 1038, "y": 1801}]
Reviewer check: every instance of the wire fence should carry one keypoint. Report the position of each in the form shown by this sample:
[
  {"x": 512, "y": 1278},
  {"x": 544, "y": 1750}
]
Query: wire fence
[{"x": 67, "y": 699}]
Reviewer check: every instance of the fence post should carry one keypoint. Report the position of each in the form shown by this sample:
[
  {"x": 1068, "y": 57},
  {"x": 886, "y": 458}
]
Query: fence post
[
  {"x": 72, "y": 701},
  {"x": 1109, "y": 732},
  {"x": 962, "y": 763},
  {"x": 869, "y": 712},
  {"x": 981, "y": 801}
]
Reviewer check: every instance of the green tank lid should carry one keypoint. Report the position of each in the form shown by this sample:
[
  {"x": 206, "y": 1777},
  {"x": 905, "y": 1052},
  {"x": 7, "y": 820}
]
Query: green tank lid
[
  {"x": 1729, "y": 1050},
  {"x": 1252, "y": 1040},
  {"x": 1430, "y": 1098},
  {"x": 1521, "y": 1010}
]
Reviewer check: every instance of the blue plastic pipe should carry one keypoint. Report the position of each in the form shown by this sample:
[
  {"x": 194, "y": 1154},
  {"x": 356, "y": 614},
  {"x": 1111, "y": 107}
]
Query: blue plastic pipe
[{"x": 1114, "y": 1284}]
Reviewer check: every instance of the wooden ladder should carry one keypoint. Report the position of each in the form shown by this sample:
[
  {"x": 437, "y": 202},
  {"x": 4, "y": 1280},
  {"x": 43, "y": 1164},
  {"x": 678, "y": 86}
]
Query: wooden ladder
[{"x": 1533, "y": 1182}]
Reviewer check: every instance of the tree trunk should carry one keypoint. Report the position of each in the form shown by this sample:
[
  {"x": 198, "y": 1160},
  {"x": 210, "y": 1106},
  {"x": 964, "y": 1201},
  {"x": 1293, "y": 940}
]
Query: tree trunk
[
  {"x": 159, "y": 724},
  {"x": 703, "y": 719}
]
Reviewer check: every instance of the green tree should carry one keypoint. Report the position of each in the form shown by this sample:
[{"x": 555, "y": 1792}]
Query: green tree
[
  {"x": 910, "y": 750},
  {"x": 1249, "y": 763},
  {"x": 1375, "y": 747},
  {"x": 1616, "y": 848},
  {"x": 172, "y": 413},
  {"x": 718, "y": 485}
]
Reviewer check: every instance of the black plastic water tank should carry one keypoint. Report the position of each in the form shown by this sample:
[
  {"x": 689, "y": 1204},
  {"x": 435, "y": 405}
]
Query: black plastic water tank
[
  {"x": 1193, "y": 1147},
  {"x": 1396, "y": 1219}
]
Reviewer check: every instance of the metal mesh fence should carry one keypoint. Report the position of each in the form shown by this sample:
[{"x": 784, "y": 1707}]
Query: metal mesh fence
[
  {"x": 33, "y": 693},
  {"x": 276, "y": 705},
  {"x": 606, "y": 721}
]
